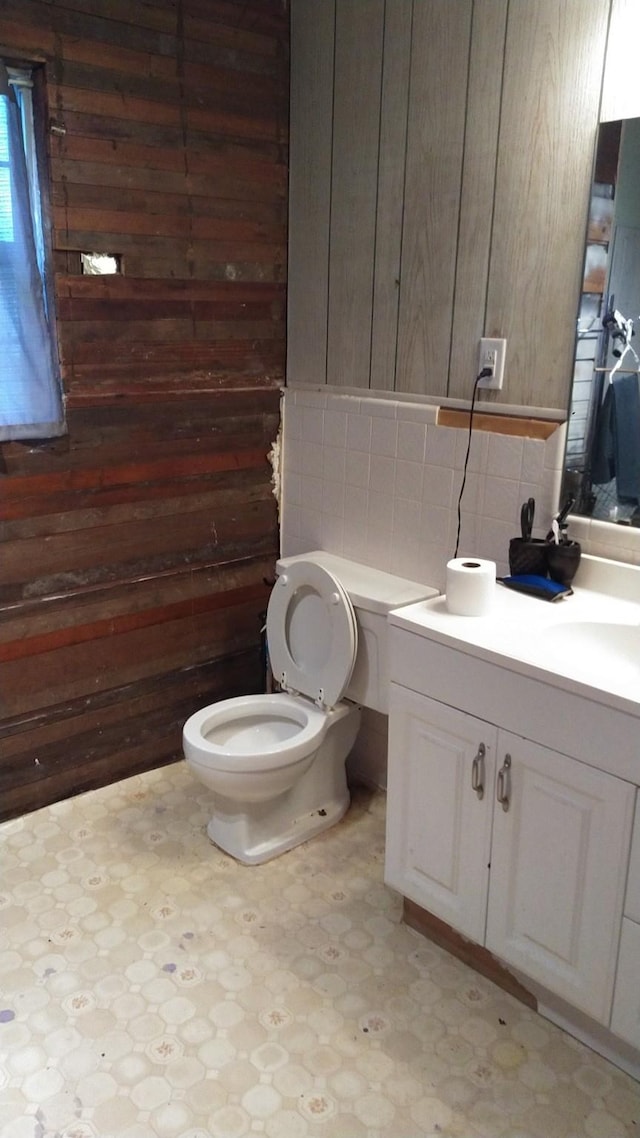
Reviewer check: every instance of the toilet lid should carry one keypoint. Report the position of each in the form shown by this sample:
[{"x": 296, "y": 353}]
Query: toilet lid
[{"x": 311, "y": 633}]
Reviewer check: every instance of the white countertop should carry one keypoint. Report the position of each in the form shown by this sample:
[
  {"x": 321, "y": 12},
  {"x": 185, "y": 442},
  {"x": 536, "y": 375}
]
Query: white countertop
[{"x": 588, "y": 643}]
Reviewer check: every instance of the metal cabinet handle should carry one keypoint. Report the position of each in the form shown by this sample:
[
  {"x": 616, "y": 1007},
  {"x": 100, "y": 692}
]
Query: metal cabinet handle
[
  {"x": 477, "y": 771},
  {"x": 503, "y": 788}
]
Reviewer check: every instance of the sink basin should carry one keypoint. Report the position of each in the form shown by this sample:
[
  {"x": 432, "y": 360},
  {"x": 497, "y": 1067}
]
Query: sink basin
[{"x": 593, "y": 646}]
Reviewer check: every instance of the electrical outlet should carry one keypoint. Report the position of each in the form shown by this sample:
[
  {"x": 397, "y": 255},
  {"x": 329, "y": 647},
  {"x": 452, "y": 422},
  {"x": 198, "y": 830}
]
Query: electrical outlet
[{"x": 492, "y": 353}]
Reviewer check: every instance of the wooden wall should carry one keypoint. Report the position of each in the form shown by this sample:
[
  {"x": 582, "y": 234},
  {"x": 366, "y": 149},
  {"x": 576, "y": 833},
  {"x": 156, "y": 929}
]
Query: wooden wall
[
  {"x": 134, "y": 549},
  {"x": 441, "y": 155}
]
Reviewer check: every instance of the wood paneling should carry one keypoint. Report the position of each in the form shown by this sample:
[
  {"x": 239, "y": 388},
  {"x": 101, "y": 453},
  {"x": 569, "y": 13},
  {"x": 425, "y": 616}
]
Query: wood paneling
[
  {"x": 136, "y": 548},
  {"x": 390, "y": 192},
  {"x": 487, "y": 121},
  {"x": 435, "y": 140},
  {"x": 488, "y": 31},
  {"x": 355, "y": 155},
  {"x": 313, "y": 31},
  {"x": 545, "y": 157}
]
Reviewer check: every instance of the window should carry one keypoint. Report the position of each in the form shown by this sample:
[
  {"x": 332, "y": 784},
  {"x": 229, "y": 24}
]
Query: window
[{"x": 30, "y": 398}]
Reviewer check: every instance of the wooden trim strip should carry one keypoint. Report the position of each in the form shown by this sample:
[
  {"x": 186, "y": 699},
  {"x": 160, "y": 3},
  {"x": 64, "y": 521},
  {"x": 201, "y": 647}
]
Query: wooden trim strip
[{"x": 498, "y": 424}]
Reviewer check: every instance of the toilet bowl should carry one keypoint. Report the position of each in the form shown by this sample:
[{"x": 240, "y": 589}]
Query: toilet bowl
[
  {"x": 276, "y": 769},
  {"x": 275, "y": 764}
]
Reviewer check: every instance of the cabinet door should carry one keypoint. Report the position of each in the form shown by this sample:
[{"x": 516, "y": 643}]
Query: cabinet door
[
  {"x": 625, "y": 1018},
  {"x": 558, "y": 867},
  {"x": 438, "y": 826}
]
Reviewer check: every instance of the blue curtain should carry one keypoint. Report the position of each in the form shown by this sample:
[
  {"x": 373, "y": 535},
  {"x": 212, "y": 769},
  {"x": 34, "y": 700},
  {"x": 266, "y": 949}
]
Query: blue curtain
[{"x": 30, "y": 398}]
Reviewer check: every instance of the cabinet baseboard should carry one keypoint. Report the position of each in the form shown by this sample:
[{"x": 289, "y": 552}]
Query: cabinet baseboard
[{"x": 472, "y": 954}]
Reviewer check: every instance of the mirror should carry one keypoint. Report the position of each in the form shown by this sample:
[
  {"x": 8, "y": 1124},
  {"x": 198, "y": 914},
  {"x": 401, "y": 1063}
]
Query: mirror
[{"x": 602, "y": 465}]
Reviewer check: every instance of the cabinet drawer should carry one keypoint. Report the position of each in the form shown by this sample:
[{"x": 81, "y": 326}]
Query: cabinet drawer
[
  {"x": 625, "y": 1018},
  {"x": 632, "y": 901}
]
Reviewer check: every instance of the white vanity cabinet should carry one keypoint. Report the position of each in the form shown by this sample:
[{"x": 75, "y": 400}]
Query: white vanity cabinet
[
  {"x": 521, "y": 848},
  {"x": 625, "y": 1019},
  {"x": 438, "y": 842},
  {"x": 558, "y": 867}
]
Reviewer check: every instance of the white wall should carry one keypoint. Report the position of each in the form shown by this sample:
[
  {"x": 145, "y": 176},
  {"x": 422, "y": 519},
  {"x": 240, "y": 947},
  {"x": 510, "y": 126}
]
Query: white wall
[{"x": 376, "y": 480}]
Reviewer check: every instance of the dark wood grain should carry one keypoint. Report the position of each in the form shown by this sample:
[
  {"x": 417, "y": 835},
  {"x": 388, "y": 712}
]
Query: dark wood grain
[{"x": 135, "y": 549}]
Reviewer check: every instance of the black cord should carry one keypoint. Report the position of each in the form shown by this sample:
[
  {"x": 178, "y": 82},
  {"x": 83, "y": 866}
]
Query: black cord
[{"x": 484, "y": 374}]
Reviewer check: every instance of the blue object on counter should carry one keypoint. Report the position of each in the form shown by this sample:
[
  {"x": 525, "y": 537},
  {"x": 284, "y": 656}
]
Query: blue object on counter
[{"x": 537, "y": 586}]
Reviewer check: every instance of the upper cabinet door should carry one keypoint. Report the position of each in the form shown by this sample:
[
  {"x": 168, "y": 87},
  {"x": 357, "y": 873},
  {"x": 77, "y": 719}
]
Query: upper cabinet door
[
  {"x": 558, "y": 870},
  {"x": 438, "y": 825}
]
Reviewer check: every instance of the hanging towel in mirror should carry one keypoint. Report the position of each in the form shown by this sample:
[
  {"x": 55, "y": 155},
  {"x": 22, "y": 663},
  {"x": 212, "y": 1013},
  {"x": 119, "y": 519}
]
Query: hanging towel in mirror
[{"x": 616, "y": 451}]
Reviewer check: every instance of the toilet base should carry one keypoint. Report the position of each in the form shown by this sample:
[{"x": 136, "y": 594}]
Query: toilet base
[
  {"x": 255, "y": 829},
  {"x": 242, "y": 838}
]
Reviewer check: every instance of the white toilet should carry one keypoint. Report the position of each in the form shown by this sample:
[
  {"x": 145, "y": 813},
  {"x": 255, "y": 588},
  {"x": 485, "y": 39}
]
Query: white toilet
[{"x": 276, "y": 763}]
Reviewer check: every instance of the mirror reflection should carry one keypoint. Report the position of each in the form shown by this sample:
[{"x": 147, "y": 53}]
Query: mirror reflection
[{"x": 603, "y": 447}]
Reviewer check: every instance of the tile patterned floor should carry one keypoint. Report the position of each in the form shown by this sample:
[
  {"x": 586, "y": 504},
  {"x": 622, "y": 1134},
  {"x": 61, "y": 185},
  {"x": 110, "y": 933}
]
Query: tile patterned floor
[{"x": 151, "y": 986}]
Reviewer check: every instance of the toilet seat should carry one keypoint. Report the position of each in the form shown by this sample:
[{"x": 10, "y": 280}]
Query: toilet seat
[
  {"x": 230, "y": 735},
  {"x": 311, "y": 633}
]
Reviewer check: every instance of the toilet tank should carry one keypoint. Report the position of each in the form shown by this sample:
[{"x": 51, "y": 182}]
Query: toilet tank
[{"x": 373, "y": 594}]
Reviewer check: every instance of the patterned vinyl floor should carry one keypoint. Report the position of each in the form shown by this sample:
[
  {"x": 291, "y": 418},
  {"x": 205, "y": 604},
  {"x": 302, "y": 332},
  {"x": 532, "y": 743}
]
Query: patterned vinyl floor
[{"x": 151, "y": 986}]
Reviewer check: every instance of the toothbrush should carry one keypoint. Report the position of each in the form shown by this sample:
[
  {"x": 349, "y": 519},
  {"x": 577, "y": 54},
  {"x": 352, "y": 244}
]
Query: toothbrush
[{"x": 568, "y": 506}]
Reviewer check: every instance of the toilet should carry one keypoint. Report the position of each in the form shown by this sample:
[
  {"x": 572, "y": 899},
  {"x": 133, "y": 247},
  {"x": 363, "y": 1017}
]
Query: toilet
[{"x": 275, "y": 763}]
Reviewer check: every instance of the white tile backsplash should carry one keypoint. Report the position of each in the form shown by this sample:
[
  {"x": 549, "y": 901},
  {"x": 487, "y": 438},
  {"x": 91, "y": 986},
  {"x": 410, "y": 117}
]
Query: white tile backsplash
[
  {"x": 604, "y": 539},
  {"x": 334, "y": 463},
  {"x": 437, "y": 485},
  {"x": 359, "y": 432},
  {"x": 379, "y": 408},
  {"x": 333, "y": 494},
  {"x": 382, "y": 486},
  {"x": 411, "y": 441},
  {"x": 477, "y": 451},
  {"x": 335, "y": 428},
  {"x": 357, "y": 468},
  {"x": 500, "y": 498},
  {"x": 406, "y": 519},
  {"x": 504, "y": 458},
  {"x": 312, "y": 425},
  {"x": 384, "y": 437},
  {"x": 441, "y": 445},
  {"x": 532, "y": 460},
  {"x": 311, "y": 457},
  {"x": 409, "y": 478},
  {"x": 434, "y": 525},
  {"x": 382, "y": 474},
  {"x": 311, "y": 494}
]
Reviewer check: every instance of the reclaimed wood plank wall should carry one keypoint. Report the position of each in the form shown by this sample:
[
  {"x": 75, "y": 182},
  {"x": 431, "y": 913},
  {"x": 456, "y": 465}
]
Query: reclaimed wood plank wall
[{"x": 135, "y": 548}]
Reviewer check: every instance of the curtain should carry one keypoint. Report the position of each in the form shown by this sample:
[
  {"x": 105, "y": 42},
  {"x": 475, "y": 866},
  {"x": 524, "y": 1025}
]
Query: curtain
[{"x": 30, "y": 398}]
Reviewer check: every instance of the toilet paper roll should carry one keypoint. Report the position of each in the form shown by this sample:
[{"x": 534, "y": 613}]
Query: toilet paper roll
[{"x": 471, "y": 584}]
